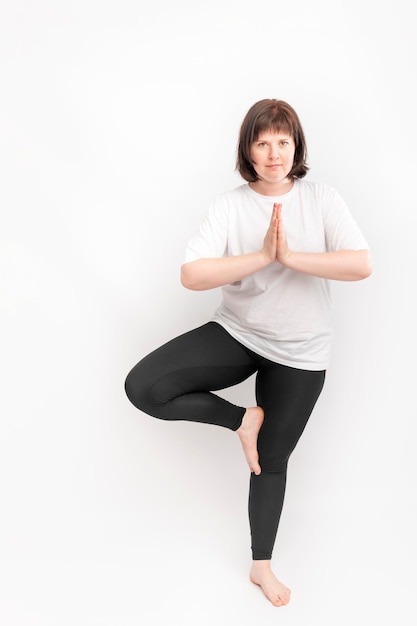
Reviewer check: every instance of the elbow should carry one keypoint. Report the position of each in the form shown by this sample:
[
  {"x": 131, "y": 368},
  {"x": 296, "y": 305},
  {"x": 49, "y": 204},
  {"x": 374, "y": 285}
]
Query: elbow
[
  {"x": 194, "y": 277},
  {"x": 187, "y": 277},
  {"x": 365, "y": 266}
]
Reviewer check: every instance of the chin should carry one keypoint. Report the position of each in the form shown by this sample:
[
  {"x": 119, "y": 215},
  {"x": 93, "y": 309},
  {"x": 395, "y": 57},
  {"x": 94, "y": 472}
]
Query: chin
[{"x": 275, "y": 179}]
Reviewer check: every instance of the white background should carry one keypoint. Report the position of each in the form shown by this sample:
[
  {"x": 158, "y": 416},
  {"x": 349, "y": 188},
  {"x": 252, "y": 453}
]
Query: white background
[{"x": 119, "y": 122}]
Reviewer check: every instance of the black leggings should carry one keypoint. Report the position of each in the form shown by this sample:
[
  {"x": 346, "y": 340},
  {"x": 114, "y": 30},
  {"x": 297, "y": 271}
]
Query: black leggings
[{"x": 175, "y": 383}]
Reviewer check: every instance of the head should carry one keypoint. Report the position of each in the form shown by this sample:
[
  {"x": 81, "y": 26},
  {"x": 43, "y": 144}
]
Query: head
[{"x": 270, "y": 116}]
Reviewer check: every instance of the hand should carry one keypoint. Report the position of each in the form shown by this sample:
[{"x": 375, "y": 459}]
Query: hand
[
  {"x": 269, "y": 249},
  {"x": 283, "y": 252}
]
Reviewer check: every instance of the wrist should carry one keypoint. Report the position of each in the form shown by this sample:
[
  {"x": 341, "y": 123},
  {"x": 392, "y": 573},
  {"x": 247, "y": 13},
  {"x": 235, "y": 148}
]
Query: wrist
[
  {"x": 267, "y": 260},
  {"x": 287, "y": 259}
]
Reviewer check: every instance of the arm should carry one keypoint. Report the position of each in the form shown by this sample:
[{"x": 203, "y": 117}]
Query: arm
[
  {"x": 339, "y": 265},
  {"x": 210, "y": 273},
  {"x": 336, "y": 265}
]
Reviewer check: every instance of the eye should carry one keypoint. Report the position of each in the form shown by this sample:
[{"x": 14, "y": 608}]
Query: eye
[
  {"x": 284, "y": 143},
  {"x": 261, "y": 144}
]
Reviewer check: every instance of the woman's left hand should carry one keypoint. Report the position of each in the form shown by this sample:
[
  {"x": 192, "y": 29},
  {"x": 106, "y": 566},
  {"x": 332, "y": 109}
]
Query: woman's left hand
[
  {"x": 334, "y": 265},
  {"x": 283, "y": 251}
]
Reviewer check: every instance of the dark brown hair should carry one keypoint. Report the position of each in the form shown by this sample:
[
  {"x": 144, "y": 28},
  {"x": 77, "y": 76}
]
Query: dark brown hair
[{"x": 270, "y": 115}]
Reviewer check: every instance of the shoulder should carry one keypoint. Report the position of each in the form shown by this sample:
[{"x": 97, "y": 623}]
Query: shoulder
[
  {"x": 233, "y": 196},
  {"x": 317, "y": 190},
  {"x": 229, "y": 202},
  {"x": 325, "y": 197}
]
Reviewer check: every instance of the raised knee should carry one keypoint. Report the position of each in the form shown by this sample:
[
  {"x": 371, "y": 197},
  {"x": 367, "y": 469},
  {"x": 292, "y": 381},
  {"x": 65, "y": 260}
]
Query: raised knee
[
  {"x": 144, "y": 392},
  {"x": 135, "y": 389},
  {"x": 130, "y": 388}
]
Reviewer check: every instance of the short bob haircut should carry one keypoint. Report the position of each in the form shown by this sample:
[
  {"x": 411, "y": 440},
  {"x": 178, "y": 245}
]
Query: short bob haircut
[{"x": 270, "y": 115}]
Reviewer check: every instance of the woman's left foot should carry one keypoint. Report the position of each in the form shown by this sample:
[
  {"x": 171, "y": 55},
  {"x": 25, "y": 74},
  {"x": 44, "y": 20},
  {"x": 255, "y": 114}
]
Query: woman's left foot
[{"x": 262, "y": 575}]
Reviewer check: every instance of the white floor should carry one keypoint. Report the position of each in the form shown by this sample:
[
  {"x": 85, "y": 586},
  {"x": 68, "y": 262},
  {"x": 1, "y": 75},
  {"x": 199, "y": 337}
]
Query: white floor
[
  {"x": 187, "y": 589},
  {"x": 182, "y": 558}
]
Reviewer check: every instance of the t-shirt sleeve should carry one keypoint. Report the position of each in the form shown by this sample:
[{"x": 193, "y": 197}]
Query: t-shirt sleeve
[
  {"x": 211, "y": 239},
  {"x": 341, "y": 230}
]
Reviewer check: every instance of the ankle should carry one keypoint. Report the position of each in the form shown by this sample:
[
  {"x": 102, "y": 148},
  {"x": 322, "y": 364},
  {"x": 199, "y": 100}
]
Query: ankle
[{"x": 261, "y": 565}]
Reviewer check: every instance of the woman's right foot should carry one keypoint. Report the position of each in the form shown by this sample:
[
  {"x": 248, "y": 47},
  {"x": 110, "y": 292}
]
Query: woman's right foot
[{"x": 248, "y": 435}]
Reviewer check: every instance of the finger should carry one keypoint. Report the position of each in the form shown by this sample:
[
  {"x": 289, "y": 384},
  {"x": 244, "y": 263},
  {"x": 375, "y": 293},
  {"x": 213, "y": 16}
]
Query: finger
[
  {"x": 274, "y": 217},
  {"x": 279, "y": 215}
]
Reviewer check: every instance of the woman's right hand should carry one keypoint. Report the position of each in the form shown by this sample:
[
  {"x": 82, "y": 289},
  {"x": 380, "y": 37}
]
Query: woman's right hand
[{"x": 269, "y": 249}]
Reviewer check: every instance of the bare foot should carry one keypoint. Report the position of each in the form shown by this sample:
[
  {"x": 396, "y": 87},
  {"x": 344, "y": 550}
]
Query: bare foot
[
  {"x": 248, "y": 434},
  {"x": 262, "y": 575}
]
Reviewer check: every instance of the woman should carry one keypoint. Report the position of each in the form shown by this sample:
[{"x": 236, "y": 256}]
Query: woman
[{"x": 272, "y": 244}]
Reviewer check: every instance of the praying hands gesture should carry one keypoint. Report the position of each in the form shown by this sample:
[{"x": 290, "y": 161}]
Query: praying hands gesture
[
  {"x": 336, "y": 265},
  {"x": 275, "y": 243}
]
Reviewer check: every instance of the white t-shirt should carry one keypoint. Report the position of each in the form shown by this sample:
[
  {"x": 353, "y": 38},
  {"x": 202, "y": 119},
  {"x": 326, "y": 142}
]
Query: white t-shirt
[{"x": 277, "y": 312}]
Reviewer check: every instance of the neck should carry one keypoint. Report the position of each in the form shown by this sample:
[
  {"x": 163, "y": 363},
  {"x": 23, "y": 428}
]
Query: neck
[{"x": 272, "y": 189}]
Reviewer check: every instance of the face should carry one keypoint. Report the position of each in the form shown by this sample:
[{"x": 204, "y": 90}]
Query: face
[{"x": 272, "y": 156}]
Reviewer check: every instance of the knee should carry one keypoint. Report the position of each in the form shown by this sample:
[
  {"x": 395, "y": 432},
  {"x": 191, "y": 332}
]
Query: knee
[
  {"x": 145, "y": 390},
  {"x": 273, "y": 464},
  {"x": 130, "y": 388},
  {"x": 136, "y": 388}
]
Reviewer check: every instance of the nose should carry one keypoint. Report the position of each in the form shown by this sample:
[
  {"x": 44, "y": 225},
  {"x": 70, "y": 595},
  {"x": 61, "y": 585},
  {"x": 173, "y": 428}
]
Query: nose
[{"x": 274, "y": 152}]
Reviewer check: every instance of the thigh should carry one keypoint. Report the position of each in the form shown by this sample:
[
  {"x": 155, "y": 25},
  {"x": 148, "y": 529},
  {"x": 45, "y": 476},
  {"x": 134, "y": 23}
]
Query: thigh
[
  {"x": 206, "y": 358},
  {"x": 288, "y": 396}
]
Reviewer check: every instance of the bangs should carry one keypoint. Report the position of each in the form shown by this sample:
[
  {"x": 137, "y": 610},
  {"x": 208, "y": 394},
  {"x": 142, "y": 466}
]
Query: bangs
[{"x": 272, "y": 121}]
